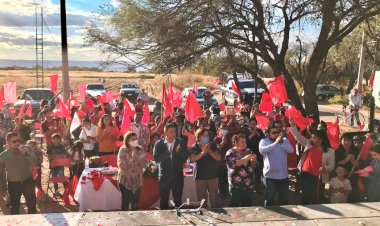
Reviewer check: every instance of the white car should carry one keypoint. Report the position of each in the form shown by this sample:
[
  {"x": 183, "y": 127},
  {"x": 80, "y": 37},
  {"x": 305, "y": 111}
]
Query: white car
[
  {"x": 130, "y": 91},
  {"x": 199, "y": 97},
  {"x": 95, "y": 89}
]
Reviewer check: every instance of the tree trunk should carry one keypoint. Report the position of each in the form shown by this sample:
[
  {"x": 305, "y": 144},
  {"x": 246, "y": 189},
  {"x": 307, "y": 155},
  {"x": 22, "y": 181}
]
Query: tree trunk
[
  {"x": 291, "y": 89},
  {"x": 310, "y": 100},
  {"x": 292, "y": 92}
]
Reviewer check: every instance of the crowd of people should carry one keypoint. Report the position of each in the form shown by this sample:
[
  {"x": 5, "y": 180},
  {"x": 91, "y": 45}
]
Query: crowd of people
[{"x": 234, "y": 157}]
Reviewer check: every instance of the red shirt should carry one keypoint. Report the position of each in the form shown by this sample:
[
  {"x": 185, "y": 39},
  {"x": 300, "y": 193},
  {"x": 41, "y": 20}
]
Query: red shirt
[{"x": 313, "y": 162}]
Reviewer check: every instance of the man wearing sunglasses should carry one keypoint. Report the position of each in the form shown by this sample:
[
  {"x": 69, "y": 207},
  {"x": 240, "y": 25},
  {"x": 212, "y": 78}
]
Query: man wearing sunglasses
[
  {"x": 16, "y": 169},
  {"x": 274, "y": 149}
]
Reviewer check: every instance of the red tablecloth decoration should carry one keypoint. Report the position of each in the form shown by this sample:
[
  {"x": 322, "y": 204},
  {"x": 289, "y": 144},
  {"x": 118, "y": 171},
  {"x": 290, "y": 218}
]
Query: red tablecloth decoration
[
  {"x": 110, "y": 159},
  {"x": 150, "y": 193}
]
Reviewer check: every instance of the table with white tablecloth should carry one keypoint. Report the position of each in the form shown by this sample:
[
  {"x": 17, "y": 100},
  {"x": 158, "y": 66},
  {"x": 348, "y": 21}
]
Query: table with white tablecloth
[{"x": 108, "y": 197}]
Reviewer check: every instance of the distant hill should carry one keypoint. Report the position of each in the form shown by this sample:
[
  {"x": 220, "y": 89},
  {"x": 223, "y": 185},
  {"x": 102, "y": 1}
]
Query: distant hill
[{"x": 48, "y": 63}]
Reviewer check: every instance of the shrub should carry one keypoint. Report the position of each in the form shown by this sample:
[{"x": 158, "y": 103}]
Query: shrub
[{"x": 339, "y": 100}]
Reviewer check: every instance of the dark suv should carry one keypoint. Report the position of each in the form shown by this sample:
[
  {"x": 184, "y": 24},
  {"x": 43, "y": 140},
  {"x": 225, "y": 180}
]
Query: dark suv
[
  {"x": 34, "y": 97},
  {"x": 324, "y": 92}
]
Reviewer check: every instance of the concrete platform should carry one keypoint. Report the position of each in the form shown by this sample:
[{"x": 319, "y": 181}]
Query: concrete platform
[{"x": 329, "y": 214}]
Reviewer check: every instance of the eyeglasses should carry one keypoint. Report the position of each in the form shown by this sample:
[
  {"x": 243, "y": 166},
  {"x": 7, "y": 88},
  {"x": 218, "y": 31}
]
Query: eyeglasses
[{"x": 15, "y": 141}]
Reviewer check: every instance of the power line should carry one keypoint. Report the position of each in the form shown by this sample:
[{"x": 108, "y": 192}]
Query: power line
[
  {"x": 56, "y": 45},
  {"x": 47, "y": 26}
]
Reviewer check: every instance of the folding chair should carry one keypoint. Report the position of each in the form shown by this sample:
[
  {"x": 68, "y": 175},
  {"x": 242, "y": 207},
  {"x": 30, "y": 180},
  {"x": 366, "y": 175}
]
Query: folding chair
[{"x": 63, "y": 162}]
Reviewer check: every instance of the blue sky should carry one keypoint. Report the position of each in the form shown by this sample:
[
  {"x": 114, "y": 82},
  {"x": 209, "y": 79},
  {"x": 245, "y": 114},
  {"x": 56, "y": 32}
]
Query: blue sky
[{"x": 17, "y": 28}]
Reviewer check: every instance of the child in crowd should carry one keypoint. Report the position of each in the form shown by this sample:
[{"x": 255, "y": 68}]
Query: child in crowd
[
  {"x": 373, "y": 194},
  {"x": 7, "y": 117},
  {"x": 340, "y": 186},
  {"x": 76, "y": 154},
  {"x": 153, "y": 139},
  {"x": 189, "y": 132},
  {"x": 40, "y": 157},
  {"x": 54, "y": 152}
]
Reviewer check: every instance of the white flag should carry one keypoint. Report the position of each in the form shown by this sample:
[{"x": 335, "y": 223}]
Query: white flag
[{"x": 75, "y": 123}]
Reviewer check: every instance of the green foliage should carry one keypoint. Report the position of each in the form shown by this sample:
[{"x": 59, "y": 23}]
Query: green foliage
[
  {"x": 339, "y": 100},
  {"x": 146, "y": 76}
]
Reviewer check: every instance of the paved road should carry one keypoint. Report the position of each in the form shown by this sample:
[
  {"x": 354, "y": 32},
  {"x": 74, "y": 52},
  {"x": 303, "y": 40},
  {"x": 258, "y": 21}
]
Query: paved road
[{"x": 327, "y": 111}]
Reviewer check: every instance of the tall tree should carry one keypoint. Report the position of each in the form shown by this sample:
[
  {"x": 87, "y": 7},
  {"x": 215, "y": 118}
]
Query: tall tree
[{"x": 174, "y": 33}]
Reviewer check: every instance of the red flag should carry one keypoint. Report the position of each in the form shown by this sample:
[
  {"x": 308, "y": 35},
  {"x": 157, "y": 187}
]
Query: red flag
[
  {"x": 63, "y": 109},
  {"x": 277, "y": 90},
  {"x": 101, "y": 103},
  {"x": 82, "y": 92},
  {"x": 68, "y": 194},
  {"x": 299, "y": 120},
  {"x": 9, "y": 88},
  {"x": 216, "y": 84},
  {"x": 103, "y": 98},
  {"x": 364, "y": 152},
  {"x": 34, "y": 172},
  {"x": 193, "y": 110},
  {"x": 29, "y": 110},
  {"x": 333, "y": 133},
  {"x": 262, "y": 122},
  {"x": 1, "y": 98},
  {"x": 68, "y": 105},
  {"x": 21, "y": 113},
  {"x": 371, "y": 79},
  {"x": 222, "y": 107},
  {"x": 61, "y": 112},
  {"x": 195, "y": 89},
  {"x": 116, "y": 96},
  {"x": 74, "y": 102},
  {"x": 38, "y": 192},
  {"x": 361, "y": 172},
  {"x": 130, "y": 108},
  {"x": 292, "y": 157},
  {"x": 176, "y": 96},
  {"x": 146, "y": 116},
  {"x": 109, "y": 96},
  {"x": 237, "y": 107},
  {"x": 54, "y": 83},
  {"x": 236, "y": 89},
  {"x": 126, "y": 123},
  {"x": 266, "y": 104},
  {"x": 166, "y": 102},
  {"x": 90, "y": 103}
]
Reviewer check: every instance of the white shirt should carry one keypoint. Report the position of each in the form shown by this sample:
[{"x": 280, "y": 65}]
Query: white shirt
[
  {"x": 170, "y": 145},
  {"x": 90, "y": 133},
  {"x": 339, "y": 197},
  {"x": 355, "y": 100}
]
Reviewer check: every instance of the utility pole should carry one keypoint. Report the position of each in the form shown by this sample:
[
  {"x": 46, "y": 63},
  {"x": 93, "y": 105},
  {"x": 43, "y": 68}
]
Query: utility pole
[
  {"x": 65, "y": 57},
  {"x": 361, "y": 66}
]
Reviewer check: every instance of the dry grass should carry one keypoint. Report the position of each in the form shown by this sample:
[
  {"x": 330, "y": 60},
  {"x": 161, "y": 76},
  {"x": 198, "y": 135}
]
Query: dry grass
[{"x": 153, "y": 83}]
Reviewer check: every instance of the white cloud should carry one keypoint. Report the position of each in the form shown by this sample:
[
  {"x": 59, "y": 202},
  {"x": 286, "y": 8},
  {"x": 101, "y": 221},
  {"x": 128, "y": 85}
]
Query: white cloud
[{"x": 17, "y": 30}]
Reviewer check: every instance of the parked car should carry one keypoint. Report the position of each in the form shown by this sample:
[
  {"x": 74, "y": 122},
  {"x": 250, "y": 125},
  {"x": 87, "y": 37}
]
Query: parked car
[
  {"x": 247, "y": 88},
  {"x": 130, "y": 91},
  {"x": 325, "y": 92},
  {"x": 95, "y": 89},
  {"x": 199, "y": 97},
  {"x": 34, "y": 97}
]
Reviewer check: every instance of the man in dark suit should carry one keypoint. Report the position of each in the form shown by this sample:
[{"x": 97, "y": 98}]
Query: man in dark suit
[{"x": 170, "y": 153}]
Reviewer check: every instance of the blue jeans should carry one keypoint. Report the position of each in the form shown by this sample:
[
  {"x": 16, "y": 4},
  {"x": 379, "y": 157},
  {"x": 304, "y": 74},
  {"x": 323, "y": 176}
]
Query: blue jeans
[
  {"x": 273, "y": 186},
  {"x": 240, "y": 196}
]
